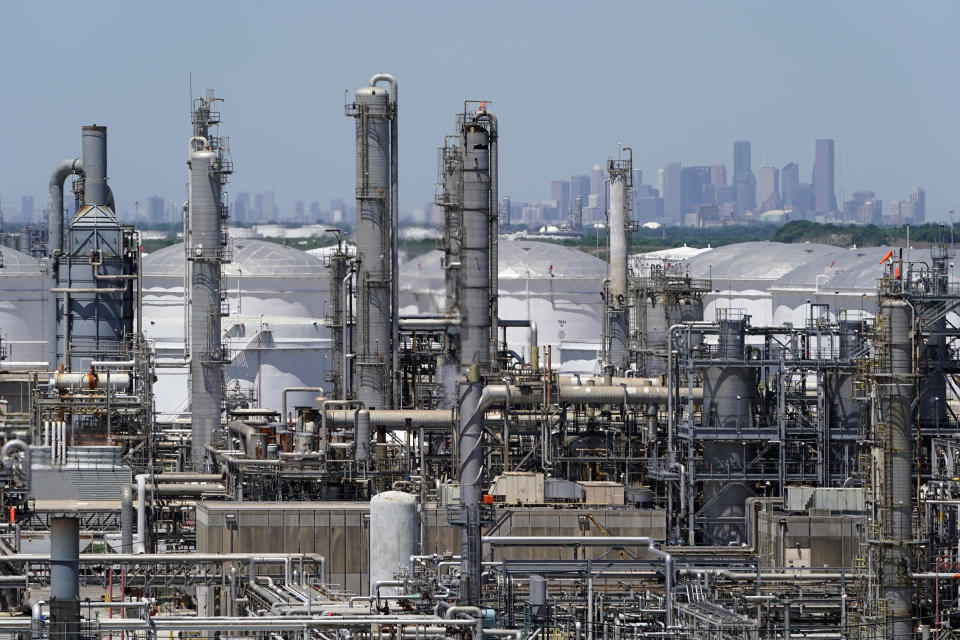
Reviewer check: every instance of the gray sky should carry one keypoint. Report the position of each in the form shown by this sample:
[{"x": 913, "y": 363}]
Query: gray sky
[{"x": 677, "y": 81}]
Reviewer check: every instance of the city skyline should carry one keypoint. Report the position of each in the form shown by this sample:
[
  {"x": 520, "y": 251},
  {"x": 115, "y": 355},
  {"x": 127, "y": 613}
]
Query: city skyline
[{"x": 557, "y": 105}]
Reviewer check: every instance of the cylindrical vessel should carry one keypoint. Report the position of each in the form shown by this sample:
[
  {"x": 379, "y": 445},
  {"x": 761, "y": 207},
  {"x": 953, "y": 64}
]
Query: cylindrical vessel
[
  {"x": 204, "y": 254},
  {"x": 118, "y": 383},
  {"x": 393, "y": 536},
  {"x": 618, "y": 236},
  {"x": 373, "y": 378},
  {"x": 94, "y": 165},
  {"x": 65, "y": 578},
  {"x": 538, "y": 590},
  {"x": 897, "y": 491},
  {"x": 475, "y": 251},
  {"x": 362, "y": 435},
  {"x": 471, "y": 468}
]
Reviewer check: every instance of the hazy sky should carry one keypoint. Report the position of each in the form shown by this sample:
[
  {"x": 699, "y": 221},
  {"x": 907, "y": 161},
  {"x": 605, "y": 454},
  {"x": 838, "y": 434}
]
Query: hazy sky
[{"x": 677, "y": 81}]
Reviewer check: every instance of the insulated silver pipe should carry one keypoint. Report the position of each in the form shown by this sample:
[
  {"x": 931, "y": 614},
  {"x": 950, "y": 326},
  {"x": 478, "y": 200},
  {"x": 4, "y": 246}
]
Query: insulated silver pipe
[
  {"x": 469, "y": 445},
  {"x": 55, "y": 245},
  {"x": 494, "y": 225},
  {"x": 503, "y": 395}
]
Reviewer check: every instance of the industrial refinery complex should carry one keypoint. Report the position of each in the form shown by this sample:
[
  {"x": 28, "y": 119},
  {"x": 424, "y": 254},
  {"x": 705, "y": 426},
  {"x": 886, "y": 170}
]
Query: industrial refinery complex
[{"x": 501, "y": 438}]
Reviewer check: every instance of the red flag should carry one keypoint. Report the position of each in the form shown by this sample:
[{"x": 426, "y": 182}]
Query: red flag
[{"x": 833, "y": 263}]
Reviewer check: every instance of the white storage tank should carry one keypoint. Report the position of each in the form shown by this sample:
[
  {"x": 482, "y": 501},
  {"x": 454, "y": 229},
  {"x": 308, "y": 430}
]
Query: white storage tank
[
  {"x": 557, "y": 287},
  {"x": 276, "y": 299},
  {"x": 393, "y": 536},
  {"x": 23, "y": 323}
]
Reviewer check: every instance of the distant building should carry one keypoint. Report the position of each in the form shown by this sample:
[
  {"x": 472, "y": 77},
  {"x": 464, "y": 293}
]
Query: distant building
[
  {"x": 299, "y": 211},
  {"x": 919, "y": 199},
  {"x": 741, "y": 157},
  {"x": 724, "y": 195},
  {"x": 718, "y": 175},
  {"x": 339, "y": 211},
  {"x": 596, "y": 186},
  {"x": 695, "y": 182},
  {"x": 863, "y": 207},
  {"x": 824, "y": 189},
  {"x": 743, "y": 178},
  {"x": 156, "y": 210},
  {"x": 241, "y": 208},
  {"x": 671, "y": 188},
  {"x": 746, "y": 188},
  {"x": 804, "y": 199},
  {"x": 790, "y": 186},
  {"x": 580, "y": 188},
  {"x": 768, "y": 188},
  {"x": 560, "y": 192},
  {"x": 26, "y": 208},
  {"x": 316, "y": 215}
]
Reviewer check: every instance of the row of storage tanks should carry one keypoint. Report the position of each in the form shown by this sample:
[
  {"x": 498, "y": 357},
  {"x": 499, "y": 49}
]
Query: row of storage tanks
[{"x": 277, "y": 299}]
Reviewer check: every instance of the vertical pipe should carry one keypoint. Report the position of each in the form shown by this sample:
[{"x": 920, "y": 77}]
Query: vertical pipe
[
  {"x": 55, "y": 246},
  {"x": 126, "y": 519},
  {"x": 141, "y": 544},
  {"x": 362, "y": 435},
  {"x": 65, "y": 578},
  {"x": 471, "y": 469},
  {"x": 494, "y": 226}
]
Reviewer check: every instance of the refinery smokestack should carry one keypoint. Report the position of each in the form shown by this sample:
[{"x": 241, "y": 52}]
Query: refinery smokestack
[
  {"x": 621, "y": 182},
  {"x": 95, "y": 165}
]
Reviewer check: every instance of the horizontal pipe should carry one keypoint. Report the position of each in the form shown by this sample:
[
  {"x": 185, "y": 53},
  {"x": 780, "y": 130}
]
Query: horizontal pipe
[
  {"x": 163, "y": 558},
  {"x": 428, "y": 323},
  {"x": 88, "y": 290},
  {"x": 567, "y": 541}
]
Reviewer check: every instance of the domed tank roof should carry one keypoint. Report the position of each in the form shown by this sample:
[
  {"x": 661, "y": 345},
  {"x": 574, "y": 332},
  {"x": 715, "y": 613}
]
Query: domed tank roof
[
  {"x": 520, "y": 259},
  {"x": 254, "y": 258},
  {"x": 762, "y": 260},
  {"x": 18, "y": 263}
]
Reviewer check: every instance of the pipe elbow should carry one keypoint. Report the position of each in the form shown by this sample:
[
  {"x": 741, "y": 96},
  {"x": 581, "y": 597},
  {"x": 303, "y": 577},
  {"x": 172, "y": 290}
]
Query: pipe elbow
[
  {"x": 61, "y": 171},
  {"x": 388, "y": 78}
]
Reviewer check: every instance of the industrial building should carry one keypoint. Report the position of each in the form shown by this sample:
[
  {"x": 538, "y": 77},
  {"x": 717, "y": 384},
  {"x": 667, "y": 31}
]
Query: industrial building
[{"x": 500, "y": 439}]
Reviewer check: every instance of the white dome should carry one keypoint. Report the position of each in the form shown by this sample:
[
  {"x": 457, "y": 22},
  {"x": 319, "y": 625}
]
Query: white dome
[{"x": 249, "y": 257}]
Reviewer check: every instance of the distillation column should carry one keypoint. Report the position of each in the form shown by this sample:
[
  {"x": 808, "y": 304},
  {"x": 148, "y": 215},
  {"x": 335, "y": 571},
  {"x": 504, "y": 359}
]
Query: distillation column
[
  {"x": 475, "y": 342},
  {"x": 375, "y": 114},
  {"x": 204, "y": 255},
  {"x": 896, "y": 397}
]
